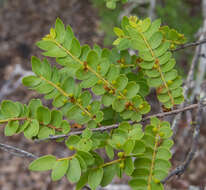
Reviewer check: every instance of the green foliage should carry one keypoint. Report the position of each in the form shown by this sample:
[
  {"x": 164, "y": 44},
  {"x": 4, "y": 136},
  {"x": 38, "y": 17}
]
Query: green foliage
[
  {"x": 150, "y": 147},
  {"x": 34, "y": 120},
  {"x": 120, "y": 83},
  {"x": 153, "y": 165},
  {"x": 153, "y": 44},
  {"x": 96, "y": 70}
]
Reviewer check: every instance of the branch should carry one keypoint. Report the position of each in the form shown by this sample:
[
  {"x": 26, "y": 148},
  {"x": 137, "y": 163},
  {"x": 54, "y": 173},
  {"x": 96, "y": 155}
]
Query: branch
[
  {"x": 16, "y": 151},
  {"x": 192, "y": 44},
  {"x": 104, "y": 128},
  {"x": 182, "y": 168}
]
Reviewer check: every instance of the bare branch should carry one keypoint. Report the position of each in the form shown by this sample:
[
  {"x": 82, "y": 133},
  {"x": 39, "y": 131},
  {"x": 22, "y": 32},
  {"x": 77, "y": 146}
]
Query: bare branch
[
  {"x": 104, "y": 128},
  {"x": 192, "y": 44},
  {"x": 16, "y": 151}
]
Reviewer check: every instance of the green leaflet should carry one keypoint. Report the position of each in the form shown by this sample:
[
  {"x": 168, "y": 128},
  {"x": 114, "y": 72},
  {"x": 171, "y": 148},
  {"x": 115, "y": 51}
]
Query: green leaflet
[
  {"x": 128, "y": 146},
  {"x": 11, "y": 128},
  {"x": 108, "y": 175},
  {"x": 82, "y": 182},
  {"x": 109, "y": 151},
  {"x": 56, "y": 118},
  {"x": 9, "y": 109},
  {"x": 32, "y": 130},
  {"x": 131, "y": 90},
  {"x": 59, "y": 29},
  {"x": 43, "y": 163},
  {"x": 33, "y": 106},
  {"x": 43, "y": 115},
  {"x": 59, "y": 169},
  {"x": 31, "y": 81},
  {"x": 95, "y": 178},
  {"x": 85, "y": 144},
  {"x": 72, "y": 141},
  {"x": 139, "y": 148},
  {"x": 76, "y": 113},
  {"x": 88, "y": 157},
  {"x": 45, "y": 132},
  {"x": 129, "y": 166},
  {"x": 83, "y": 164},
  {"x": 74, "y": 171},
  {"x": 121, "y": 82}
]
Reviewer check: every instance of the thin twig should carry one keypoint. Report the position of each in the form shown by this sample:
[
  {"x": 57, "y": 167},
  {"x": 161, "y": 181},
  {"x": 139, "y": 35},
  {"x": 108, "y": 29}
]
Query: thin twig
[
  {"x": 16, "y": 151},
  {"x": 104, "y": 128},
  {"x": 181, "y": 169},
  {"x": 192, "y": 44}
]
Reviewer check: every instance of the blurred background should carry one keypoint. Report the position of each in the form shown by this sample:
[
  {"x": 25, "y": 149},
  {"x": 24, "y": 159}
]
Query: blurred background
[{"x": 24, "y": 22}]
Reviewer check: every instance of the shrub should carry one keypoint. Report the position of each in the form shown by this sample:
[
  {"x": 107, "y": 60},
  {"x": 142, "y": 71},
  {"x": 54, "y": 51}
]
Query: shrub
[{"x": 95, "y": 88}]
